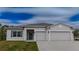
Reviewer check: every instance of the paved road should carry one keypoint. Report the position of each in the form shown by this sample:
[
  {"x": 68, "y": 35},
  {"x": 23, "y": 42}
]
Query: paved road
[{"x": 58, "y": 45}]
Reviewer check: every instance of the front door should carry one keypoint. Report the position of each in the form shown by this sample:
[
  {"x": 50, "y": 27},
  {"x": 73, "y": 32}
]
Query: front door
[{"x": 30, "y": 34}]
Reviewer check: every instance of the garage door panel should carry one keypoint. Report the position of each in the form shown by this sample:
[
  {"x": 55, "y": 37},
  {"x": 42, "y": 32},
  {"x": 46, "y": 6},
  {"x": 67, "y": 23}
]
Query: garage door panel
[
  {"x": 40, "y": 35},
  {"x": 60, "y": 35}
]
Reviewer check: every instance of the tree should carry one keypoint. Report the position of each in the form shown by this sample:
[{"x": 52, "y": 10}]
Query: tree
[
  {"x": 3, "y": 32},
  {"x": 76, "y": 33}
]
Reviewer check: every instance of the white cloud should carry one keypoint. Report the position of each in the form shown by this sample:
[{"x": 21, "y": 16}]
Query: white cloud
[
  {"x": 74, "y": 24},
  {"x": 48, "y": 15},
  {"x": 51, "y": 11},
  {"x": 44, "y": 19},
  {"x": 4, "y": 21},
  {"x": 8, "y": 22},
  {"x": 44, "y": 11}
]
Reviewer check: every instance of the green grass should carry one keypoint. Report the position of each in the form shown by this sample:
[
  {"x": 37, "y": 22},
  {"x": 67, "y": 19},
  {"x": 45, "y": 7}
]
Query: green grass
[{"x": 18, "y": 46}]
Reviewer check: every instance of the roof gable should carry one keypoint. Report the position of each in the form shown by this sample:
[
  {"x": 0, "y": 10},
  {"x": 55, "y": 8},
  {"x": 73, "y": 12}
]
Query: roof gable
[
  {"x": 63, "y": 25},
  {"x": 60, "y": 27}
]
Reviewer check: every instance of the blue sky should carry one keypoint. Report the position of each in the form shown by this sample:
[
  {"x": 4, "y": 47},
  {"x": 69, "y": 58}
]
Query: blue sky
[{"x": 68, "y": 15}]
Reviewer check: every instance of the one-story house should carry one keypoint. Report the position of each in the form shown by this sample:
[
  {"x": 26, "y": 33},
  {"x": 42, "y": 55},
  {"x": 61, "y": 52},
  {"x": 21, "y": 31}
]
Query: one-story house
[{"x": 40, "y": 31}]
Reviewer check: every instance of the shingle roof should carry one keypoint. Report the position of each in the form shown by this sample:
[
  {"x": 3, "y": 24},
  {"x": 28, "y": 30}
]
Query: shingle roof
[
  {"x": 37, "y": 25},
  {"x": 15, "y": 27}
]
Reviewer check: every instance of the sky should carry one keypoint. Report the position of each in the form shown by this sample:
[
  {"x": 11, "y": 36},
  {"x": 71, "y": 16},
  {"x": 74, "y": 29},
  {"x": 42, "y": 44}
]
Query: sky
[{"x": 27, "y": 15}]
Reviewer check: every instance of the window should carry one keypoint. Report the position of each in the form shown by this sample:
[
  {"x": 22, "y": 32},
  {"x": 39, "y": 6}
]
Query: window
[{"x": 16, "y": 33}]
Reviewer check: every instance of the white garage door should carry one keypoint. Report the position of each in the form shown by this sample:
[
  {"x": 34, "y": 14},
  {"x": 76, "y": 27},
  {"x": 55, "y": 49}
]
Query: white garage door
[
  {"x": 60, "y": 35},
  {"x": 40, "y": 35}
]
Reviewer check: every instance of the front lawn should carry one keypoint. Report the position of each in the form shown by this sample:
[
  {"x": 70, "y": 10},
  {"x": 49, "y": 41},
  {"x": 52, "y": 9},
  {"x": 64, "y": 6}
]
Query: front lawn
[{"x": 18, "y": 46}]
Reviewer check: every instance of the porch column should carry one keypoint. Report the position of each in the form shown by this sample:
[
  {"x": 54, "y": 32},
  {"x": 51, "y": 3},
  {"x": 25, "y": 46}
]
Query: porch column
[{"x": 24, "y": 34}]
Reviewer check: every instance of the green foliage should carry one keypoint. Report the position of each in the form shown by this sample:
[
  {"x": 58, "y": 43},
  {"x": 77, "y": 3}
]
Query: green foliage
[
  {"x": 2, "y": 33},
  {"x": 76, "y": 33}
]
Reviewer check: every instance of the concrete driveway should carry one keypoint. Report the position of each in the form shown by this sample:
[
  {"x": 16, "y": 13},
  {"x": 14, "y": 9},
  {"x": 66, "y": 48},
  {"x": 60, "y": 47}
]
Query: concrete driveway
[{"x": 58, "y": 45}]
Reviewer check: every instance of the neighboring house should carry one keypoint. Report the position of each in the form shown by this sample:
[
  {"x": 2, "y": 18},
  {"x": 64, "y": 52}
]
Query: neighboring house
[{"x": 40, "y": 31}]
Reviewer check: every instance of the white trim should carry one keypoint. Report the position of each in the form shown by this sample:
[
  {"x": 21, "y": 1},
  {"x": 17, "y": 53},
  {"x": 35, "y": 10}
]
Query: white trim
[
  {"x": 72, "y": 36},
  {"x": 16, "y": 33}
]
